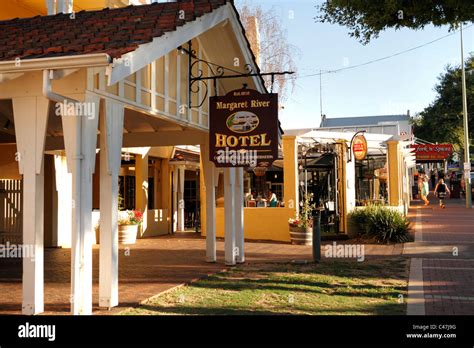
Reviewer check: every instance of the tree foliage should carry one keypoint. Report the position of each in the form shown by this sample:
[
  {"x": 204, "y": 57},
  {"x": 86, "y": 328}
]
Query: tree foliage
[
  {"x": 442, "y": 121},
  {"x": 366, "y": 19},
  {"x": 276, "y": 53}
]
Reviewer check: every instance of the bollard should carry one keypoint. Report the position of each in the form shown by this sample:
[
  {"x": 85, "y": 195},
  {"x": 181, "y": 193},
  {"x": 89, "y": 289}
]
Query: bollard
[{"x": 316, "y": 235}]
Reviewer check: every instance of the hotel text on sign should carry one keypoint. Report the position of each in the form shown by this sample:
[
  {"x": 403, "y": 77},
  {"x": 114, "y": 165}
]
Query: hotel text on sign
[{"x": 243, "y": 129}]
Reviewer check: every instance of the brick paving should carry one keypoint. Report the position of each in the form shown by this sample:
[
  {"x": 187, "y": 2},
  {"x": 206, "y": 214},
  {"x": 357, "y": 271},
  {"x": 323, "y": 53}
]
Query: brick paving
[
  {"x": 153, "y": 266},
  {"x": 158, "y": 264},
  {"x": 445, "y": 244}
]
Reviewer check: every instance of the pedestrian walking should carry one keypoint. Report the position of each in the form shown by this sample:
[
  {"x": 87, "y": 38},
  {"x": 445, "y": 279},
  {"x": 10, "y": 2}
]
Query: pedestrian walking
[
  {"x": 425, "y": 189},
  {"x": 441, "y": 190}
]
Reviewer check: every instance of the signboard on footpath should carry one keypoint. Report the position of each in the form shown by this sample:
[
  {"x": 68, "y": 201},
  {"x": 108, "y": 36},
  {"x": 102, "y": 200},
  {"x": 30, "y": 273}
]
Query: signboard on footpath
[
  {"x": 243, "y": 129},
  {"x": 433, "y": 152}
]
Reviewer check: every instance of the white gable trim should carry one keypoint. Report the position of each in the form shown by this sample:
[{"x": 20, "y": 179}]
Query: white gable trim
[
  {"x": 145, "y": 54},
  {"x": 131, "y": 62}
]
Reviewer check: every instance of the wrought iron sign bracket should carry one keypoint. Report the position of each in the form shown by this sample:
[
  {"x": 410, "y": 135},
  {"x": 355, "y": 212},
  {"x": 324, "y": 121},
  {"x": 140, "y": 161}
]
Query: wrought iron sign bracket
[
  {"x": 198, "y": 81},
  {"x": 350, "y": 154}
]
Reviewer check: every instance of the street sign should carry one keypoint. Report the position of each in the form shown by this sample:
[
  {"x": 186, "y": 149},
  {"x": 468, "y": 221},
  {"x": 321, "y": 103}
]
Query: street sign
[
  {"x": 243, "y": 129},
  {"x": 359, "y": 147},
  {"x": 432, "y": 152}
]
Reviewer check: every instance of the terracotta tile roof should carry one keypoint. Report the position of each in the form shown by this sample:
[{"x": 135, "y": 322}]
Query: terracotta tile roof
[{"x": 111, "y": 31}]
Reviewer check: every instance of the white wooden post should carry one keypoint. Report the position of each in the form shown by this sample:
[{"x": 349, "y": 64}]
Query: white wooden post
[
  {"x": 153, "y": 85},
  {"x": 350, "y": 186},
  {"x": 80, "y": 140},
  {"x": 179, "y": 108},
  {"x": 210, "y": 190},
  {"x": 239, "y": 215},
  {"x": 138, "y": 87},
  {"x": 174, "y": 172},
  {"x": 181, "y": 171},
  {"x": 31, "y": 118},
  {"x": 64, "y": 194},
  {"x": 111, "y": 130},
  {"x": 229, "y": 193},
  {"x": 65, "y": 6}
]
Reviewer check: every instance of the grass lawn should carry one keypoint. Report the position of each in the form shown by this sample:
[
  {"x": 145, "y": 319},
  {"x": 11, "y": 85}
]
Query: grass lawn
[{"x": 333, "y": 287}]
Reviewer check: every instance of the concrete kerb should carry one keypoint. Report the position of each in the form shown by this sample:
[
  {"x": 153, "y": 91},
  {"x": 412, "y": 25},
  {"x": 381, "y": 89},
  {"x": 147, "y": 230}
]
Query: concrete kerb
[{"x": 416, "y": 295}]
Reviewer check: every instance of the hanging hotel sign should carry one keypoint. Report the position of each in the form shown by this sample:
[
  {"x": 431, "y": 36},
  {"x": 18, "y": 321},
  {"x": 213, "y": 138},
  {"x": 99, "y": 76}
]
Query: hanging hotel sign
[
  {"x": 243, "y": 129},
  {"x": 359, "y": 147},
  {"x": 433, "y": 152}
]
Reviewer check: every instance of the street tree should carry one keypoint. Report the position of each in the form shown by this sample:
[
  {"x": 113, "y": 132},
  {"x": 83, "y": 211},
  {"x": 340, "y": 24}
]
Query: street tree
[
  {"x": 275, "y": 52},
  {"x": 366, "y": 19},
  {"x": 442, "y": 120}
]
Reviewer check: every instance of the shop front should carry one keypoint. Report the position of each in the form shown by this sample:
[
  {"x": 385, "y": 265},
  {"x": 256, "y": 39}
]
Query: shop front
[{"x": 342, "y": 175}]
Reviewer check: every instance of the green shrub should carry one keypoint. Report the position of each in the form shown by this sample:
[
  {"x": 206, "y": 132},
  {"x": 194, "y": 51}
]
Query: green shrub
[{"x": 383, "y": 224}]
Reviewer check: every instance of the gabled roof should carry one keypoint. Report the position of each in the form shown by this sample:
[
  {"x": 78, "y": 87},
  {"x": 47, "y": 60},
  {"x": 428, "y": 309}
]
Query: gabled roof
[
  {"x": 362, "y": 120},
  {"x": 111, "y": 31}
]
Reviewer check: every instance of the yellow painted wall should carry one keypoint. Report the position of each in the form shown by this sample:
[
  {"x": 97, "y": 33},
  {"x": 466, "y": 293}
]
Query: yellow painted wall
[
  {"x": 8, "y": 165},
  {"x": 341, "y": 148},
  {"x": 157, "y": 223},
  {"x": 264, "y": 223},
  {"x": 261, "y": 223},
  {"x": 394, "y": 173},
  {"x": 30, "y": 8},
  {"x": 290, "y": 172}
]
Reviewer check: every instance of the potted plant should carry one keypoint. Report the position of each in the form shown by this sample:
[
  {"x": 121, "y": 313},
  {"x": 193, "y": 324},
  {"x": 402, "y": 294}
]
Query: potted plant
[
  {"x": 128, "y": 223},
  {"x": 301, "y": 227}
]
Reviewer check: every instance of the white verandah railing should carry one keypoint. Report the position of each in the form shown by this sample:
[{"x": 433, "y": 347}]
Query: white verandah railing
[{"x": 11, "y": 217}]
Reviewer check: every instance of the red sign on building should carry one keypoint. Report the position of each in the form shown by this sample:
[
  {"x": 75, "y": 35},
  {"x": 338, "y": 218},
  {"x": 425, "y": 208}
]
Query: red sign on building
[{"x": 431, "y": 152}]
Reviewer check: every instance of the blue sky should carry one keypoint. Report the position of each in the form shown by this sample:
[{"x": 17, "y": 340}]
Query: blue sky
[{"x": 391, "y": 86}]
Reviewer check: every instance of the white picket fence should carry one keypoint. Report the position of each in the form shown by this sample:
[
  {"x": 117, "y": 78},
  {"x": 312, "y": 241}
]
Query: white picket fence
[{"x": 11, "y": 211}]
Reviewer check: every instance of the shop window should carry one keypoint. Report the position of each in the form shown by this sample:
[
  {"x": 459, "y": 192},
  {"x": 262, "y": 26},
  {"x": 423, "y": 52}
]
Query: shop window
[{"x": 127, "y": 191}]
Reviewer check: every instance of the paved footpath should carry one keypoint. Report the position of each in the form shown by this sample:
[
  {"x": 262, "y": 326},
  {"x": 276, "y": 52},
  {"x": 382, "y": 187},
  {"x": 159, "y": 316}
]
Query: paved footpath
[
  {"x": 441, "y": 272},
  {"x": 442, "y": 260},
  {"x": 153, "y": 265}
]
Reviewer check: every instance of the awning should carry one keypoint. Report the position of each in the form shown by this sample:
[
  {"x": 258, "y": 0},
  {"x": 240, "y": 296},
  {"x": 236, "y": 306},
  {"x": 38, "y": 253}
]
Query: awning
[{"x": 375, "y": 142}]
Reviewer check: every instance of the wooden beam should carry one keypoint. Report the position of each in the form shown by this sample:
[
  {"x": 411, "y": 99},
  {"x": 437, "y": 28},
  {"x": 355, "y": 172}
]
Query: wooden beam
[
  {"x": 62, "y": 73},
  {"x": 143, "y": 139},
  {"x": 170, "y": 138}
]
